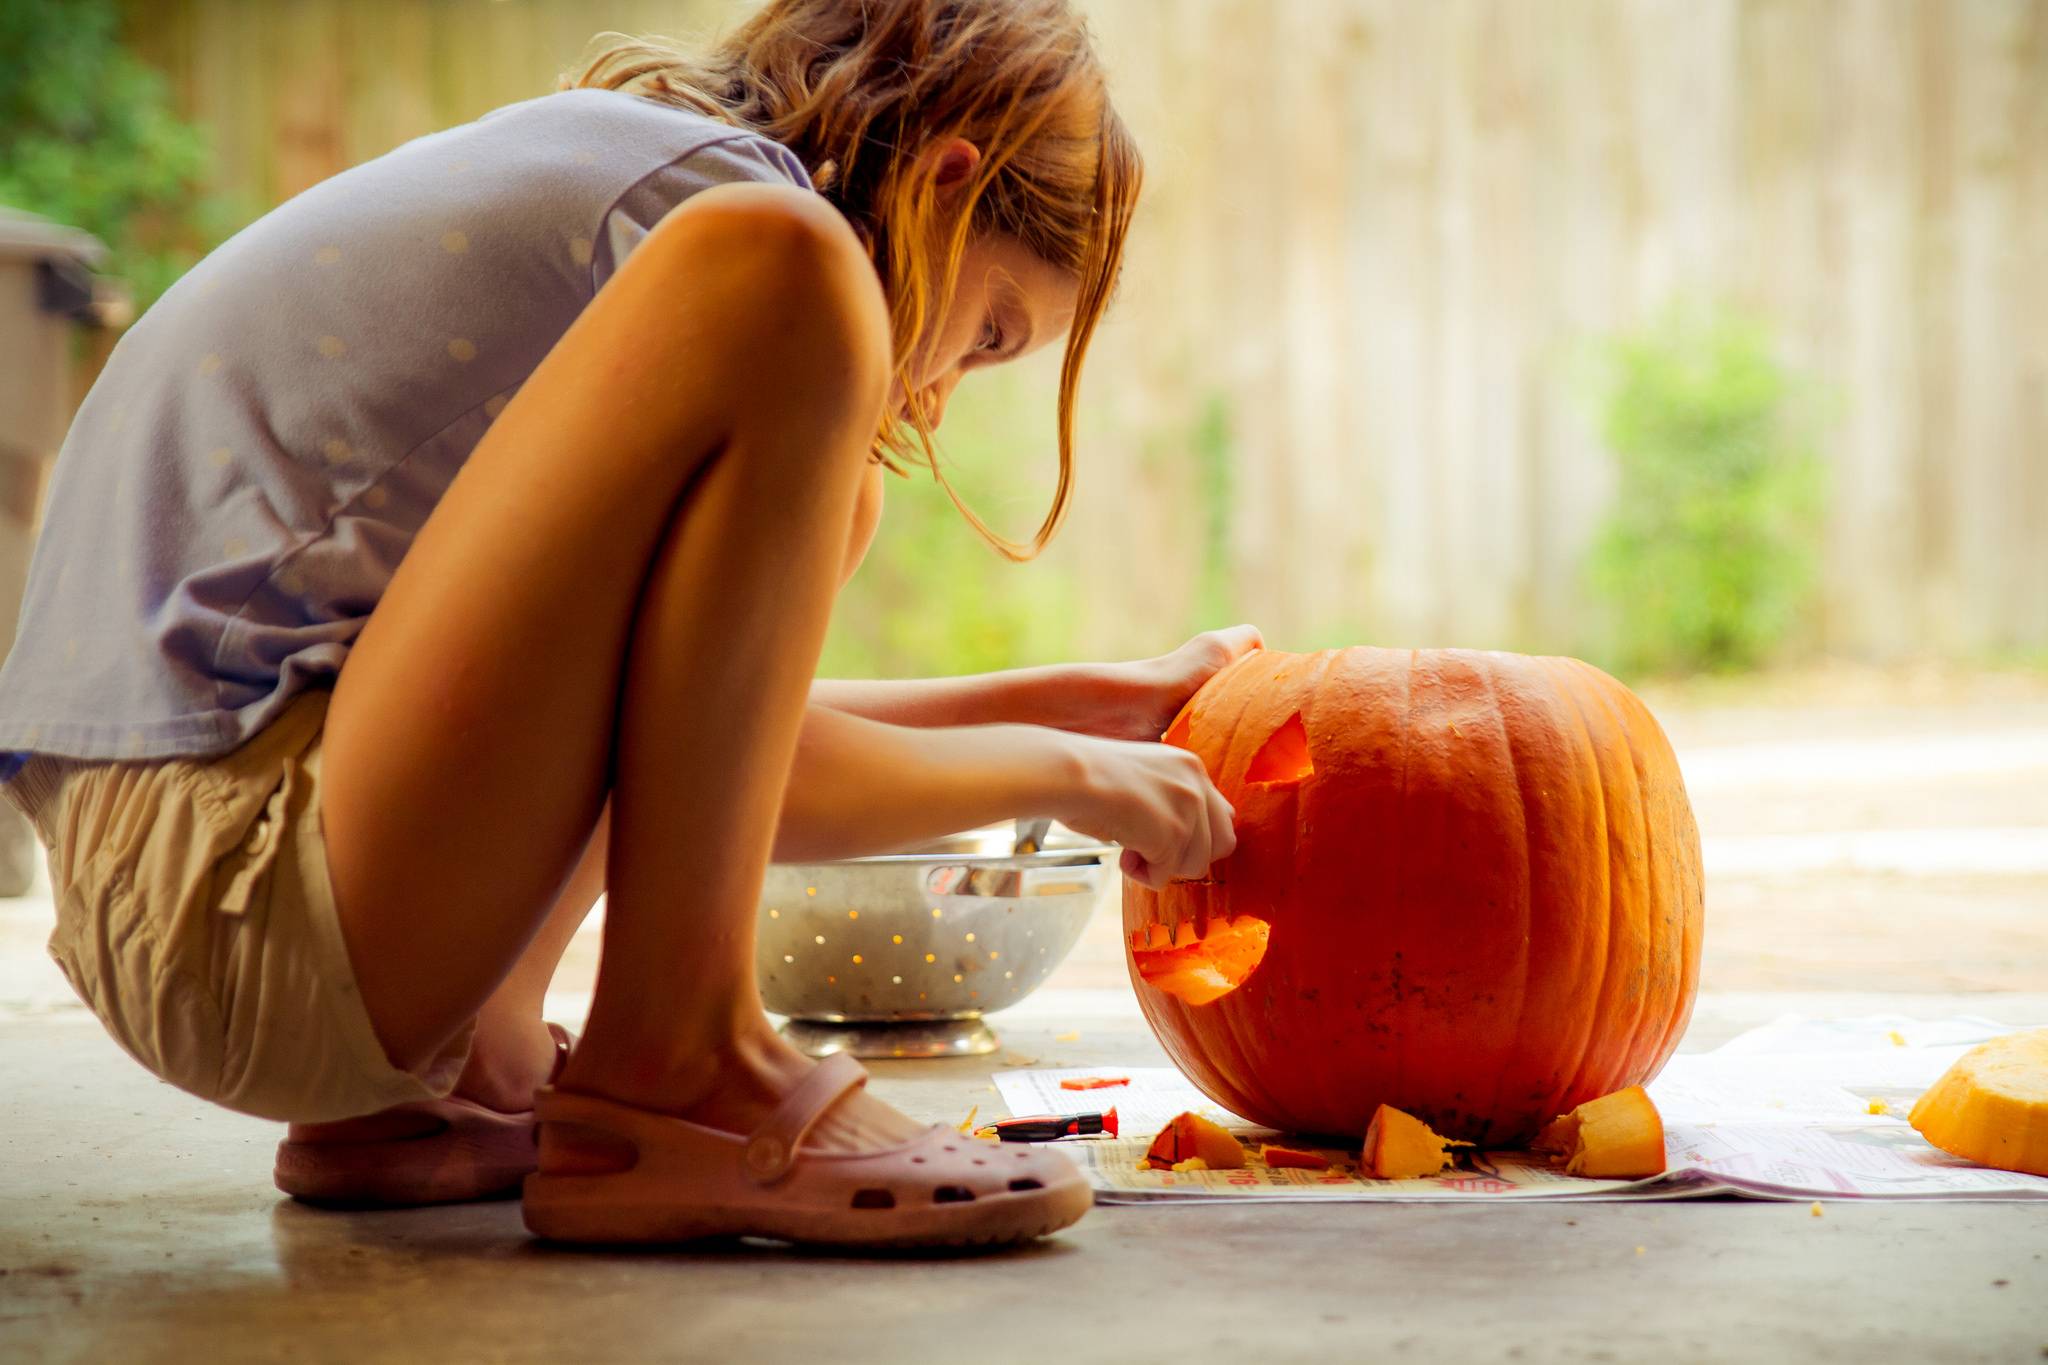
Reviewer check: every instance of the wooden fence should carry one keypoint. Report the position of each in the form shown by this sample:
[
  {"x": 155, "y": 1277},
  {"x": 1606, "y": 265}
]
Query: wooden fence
[{"x": 1376, "y": 233}]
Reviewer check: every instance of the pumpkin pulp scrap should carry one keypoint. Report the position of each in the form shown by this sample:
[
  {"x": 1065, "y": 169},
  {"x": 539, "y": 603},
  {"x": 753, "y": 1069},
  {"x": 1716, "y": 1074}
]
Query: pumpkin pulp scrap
[
  {"x": 1274, "y": 1155},
  {"x": 1399, "y": 1146},
  {"x": 1616, "y": 1137},
  {"x": 1991, "y": 1107},
  {"x": 1190, "y": 1136}
]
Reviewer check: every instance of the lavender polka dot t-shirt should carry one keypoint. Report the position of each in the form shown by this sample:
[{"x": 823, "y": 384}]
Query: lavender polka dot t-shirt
[{"x": 241, "y": 483}]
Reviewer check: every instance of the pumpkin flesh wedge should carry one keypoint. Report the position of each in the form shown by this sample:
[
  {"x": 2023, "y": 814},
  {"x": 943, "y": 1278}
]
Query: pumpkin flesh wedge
[
  {"x": 1991, "y": 1107},
  {"x": 1616, "y": 1137},
  {"x": 1400, "y": 1146},
  {"x": 1191, "y": 1136}
]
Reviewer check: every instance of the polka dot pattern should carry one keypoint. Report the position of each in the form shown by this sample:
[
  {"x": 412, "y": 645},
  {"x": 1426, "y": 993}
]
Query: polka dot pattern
[{"x": 364, "y": 330}]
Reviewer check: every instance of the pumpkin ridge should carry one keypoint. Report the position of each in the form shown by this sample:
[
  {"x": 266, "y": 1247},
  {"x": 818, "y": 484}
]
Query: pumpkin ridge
[
  {"x": 1635, "y": 765},
  {"x": 1528, "y": 882},
  {"x": 1401, "y": 871},
  {"x": 1678, "y": 1010},
  {"x": 1587, "y": 750},
  {"x": 1326, "y": 663}
]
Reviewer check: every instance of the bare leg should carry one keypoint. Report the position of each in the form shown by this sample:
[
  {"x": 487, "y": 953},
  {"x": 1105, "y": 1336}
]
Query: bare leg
[
  {"x": 625, "y": 590},
  {"x": 513, "y": 1052}
]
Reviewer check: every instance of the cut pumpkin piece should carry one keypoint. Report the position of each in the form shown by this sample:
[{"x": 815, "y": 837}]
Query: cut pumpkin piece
[
  {"x": 1991, "y": 1107},
  {"x": 1616, "y": 1137},
  {"x": 1191, "y": 1135},
  {"x": 1399, "y": 1146},
  {"x": 1293, "y": 1156}
]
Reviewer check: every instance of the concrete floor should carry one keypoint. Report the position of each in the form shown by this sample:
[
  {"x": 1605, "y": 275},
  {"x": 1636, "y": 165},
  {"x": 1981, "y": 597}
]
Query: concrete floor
[{"x": 139, "y": 1225}]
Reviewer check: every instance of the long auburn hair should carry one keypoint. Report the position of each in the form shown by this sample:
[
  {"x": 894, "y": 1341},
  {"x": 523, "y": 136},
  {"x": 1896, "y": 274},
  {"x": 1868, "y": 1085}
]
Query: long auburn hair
[{"x": 859, "y": 90}]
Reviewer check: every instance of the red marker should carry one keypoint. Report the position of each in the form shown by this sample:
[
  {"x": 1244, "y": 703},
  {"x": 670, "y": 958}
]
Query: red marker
[{"x": 1052, "y": 1127}]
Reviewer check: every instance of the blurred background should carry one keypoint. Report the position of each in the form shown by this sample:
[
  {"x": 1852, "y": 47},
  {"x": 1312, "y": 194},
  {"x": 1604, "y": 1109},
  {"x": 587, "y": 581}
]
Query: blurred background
[{"x": 1705, "y": 339}]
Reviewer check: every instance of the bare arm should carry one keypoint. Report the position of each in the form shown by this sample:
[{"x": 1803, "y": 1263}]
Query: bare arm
[
  {"x": 1064, "y": 697},
  {"x": 1114, "y": 701},
  {"x": 862, "y": 786}
]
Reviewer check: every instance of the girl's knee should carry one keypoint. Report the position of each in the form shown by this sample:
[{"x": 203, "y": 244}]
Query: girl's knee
[{"x": 790, "y": 292}]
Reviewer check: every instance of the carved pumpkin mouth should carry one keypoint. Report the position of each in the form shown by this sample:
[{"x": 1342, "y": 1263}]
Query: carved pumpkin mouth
[{"x": 1200, "y": 971}]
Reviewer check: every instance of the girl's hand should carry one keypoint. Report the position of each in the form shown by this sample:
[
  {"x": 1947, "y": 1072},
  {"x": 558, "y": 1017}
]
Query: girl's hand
[
  {"x": 1155, "y": 800},
  {"x": 1139, "y": 700}
]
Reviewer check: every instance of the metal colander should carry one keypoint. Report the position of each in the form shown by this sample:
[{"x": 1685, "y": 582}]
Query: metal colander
[{"x": 901, "y": 955}]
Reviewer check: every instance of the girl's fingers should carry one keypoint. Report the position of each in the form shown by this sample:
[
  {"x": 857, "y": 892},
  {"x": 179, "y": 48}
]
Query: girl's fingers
[
  {"x": 1239, "y": 641},
  {"x": 1140, "y": 870},
  {"x": 1222, "y": 826}
]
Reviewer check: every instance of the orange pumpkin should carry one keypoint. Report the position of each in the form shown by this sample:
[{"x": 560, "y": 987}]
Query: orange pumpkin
[{"x": 1466, "y": 885}]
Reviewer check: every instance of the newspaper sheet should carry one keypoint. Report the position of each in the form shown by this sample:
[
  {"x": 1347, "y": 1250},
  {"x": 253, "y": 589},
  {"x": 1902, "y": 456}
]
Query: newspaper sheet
[{"x": 1798, "y": 1109}]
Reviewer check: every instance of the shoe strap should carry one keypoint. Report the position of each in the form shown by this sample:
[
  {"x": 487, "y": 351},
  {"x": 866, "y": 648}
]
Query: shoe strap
[
  {"x": 772, "y": 1150},
  {"x": 563, "y": 1041}
]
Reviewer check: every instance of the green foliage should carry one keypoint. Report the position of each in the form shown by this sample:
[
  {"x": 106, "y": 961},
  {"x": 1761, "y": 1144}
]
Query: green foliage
[
  {"x": 933, "y": 599},
  {"x": 1213, "y": 448},
  {"x": 1710, "y": 555},
  {"x": 88, "y": 138}
]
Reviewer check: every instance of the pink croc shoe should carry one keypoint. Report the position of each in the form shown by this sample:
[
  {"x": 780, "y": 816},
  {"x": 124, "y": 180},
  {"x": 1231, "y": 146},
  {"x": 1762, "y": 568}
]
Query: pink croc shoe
[
  {"x": 446, "y": 1151},
  {"x": 687, "y": 1181}
]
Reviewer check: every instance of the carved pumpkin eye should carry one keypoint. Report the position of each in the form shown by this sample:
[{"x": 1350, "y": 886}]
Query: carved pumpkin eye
[{"x": 1283, "y": 758}]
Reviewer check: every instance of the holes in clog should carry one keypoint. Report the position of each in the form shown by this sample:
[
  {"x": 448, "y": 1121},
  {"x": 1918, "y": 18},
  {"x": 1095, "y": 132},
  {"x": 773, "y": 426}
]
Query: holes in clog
[
  {"x": 918, "y": 1160},
  {"x": 873, "y": 1199},
  {"x": 1026, "y": 1183},
  {"x": 952, "y": 1194}
]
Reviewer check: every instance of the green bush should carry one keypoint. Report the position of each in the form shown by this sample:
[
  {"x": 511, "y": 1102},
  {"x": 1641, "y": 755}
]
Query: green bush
[
  {"x": 88, "y": 138},
  {"x": 1709, "y": 557}
]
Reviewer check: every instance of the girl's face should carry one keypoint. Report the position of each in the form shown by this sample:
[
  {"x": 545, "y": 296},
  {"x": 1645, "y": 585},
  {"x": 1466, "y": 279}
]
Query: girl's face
[{"x": 1010, "y": 302}]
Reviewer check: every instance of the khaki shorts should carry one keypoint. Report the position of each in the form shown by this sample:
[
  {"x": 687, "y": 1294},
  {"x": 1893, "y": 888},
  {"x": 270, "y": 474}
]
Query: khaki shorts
[{"x": 196, "y": 918}]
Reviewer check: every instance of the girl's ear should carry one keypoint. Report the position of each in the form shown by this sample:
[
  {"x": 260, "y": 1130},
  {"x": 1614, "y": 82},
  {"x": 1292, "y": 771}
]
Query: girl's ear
[{"x": 956, "y": 158}]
